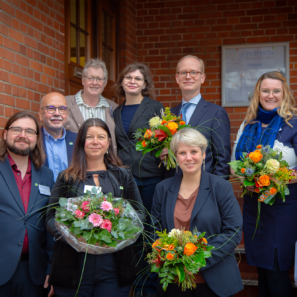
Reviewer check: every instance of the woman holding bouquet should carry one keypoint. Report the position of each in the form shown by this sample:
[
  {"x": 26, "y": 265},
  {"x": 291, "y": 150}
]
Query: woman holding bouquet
[
  {"x": 199, "y": 199},
  {"x": 270, "y": 120},
  {"x": 136, "y": 85},
  {"x": 93, "y": 164}
]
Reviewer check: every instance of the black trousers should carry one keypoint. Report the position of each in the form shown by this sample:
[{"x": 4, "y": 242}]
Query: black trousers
[
  {"x": 274, "y": 283},
  {"x": 173, "y": 290},
  {"x": 20, "y": 284}
]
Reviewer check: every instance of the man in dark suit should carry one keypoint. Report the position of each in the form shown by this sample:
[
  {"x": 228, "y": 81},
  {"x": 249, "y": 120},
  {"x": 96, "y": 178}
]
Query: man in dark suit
[
  {"x": 57, "y": 142},
  {"x": 25, "y": 184},
  {"x": 210, "y": 119}
]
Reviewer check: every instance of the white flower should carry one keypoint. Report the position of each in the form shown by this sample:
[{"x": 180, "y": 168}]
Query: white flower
[
  {"x": 174, "y": 233},
  {"x": 272, "y": 165},
  {"x": 154, "y": 121}
]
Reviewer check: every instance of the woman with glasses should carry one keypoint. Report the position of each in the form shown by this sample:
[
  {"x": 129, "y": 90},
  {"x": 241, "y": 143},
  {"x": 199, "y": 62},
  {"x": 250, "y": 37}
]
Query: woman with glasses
[
  {"x": 136, "y": 85},
  {"x": 89, "y": 102},
  {"x": 270, "y": 120}
]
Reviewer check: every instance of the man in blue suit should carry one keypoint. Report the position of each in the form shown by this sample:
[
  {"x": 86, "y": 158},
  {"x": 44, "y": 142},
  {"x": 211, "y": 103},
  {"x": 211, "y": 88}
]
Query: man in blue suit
[
  {"x": 210, "y": 119},
  {"x": 57, "y": 142},
  {"x": 25, "y": 245}
]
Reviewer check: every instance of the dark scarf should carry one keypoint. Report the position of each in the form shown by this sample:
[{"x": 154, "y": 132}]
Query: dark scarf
[{"x": 252, "y": 134}]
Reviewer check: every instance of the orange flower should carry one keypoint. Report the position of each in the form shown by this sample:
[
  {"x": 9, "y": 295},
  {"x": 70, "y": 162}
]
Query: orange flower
[
  {"x": 257, "y": 190},
  {"x": 264, "y": 181},
  {"x": 148, "y": 134},
  {"x": 273, "y": 191},
  {"x": 204, "y": 240},
  {"x": 256, "y": 156},
  {"x": 242, "y": 170},
  {"x": 163, "y": 122},
  {"x": 259, "y": 146},
  {"x": 156, "y": 243},
  {"x": 169, "y": 256},
  {"x": 172, "y": 126},
  {"x": 190, "y": 249},
  {"x": 182, "y": 123},
  {"x": 171, "y": 247},
  {"x": 143, "y": 143}
]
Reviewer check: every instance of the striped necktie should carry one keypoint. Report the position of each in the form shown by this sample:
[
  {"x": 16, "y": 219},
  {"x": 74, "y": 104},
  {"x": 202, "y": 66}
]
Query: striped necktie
[{"x": 184, "y": 110}]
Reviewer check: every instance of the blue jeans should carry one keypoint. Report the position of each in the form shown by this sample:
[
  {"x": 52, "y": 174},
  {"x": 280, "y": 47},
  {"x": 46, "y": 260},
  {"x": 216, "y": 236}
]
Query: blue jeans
[
  {"x": 100, "y": 278},
  {"x": 148, "y": 282}
]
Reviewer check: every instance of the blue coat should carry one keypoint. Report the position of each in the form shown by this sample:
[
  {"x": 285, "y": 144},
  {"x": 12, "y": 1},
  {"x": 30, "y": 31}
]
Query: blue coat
[
  {"x": 213, "y": 122},
  {"x": 70, "y": 139},
  {"x": 216, "y": 212},
  {"x": 14, "y": 222}
]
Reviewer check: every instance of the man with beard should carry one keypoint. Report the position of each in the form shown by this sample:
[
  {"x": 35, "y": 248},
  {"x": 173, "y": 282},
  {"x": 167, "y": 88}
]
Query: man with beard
[
  {"x": 25, "y": 246},
  {"x": 57, "y": 142}
]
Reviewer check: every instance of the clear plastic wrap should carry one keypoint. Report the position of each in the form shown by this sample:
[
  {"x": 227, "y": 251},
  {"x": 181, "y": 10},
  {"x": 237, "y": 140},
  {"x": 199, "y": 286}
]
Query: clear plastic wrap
[{"x": 80, "y": 245}]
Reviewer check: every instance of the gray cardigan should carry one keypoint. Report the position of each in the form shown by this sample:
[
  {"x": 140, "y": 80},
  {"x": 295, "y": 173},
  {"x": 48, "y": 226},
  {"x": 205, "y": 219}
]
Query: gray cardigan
[{"x": 75, "y": 118}]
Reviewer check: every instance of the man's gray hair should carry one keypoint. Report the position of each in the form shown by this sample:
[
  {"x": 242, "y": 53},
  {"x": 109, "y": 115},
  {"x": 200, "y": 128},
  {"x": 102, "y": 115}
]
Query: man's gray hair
[
  {"x": 95, "y": 63},
  {"x": 190, "y": 137}
]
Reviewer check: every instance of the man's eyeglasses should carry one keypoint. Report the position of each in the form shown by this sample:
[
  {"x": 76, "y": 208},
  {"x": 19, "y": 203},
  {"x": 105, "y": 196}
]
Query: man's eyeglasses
[
  {"x": 193, "y": 73},
  {"x": 18, "y": 130},
  {"x": 136, "y": 79},
  {"x": 92, "y": 79},
  {"x": 52, "y": 109}
]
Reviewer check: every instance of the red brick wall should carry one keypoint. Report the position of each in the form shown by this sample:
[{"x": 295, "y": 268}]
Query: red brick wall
[
  {"x": 32, "y": 53},
  {"x": 168, "y": 30}
]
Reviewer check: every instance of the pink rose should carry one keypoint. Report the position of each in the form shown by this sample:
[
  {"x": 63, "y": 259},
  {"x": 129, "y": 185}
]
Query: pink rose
[
  {"x": 106, "y": 224},
  {"x": 107, "y": 206},
  {"x": 85, "y": 206},
  {"x": 79, "y": 214},
  {"x": 116, "y": 210},
  {"x": 95, "y": 219}
]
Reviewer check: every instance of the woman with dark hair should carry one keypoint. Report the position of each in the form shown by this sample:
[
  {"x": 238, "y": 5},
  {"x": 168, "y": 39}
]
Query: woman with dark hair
[
  {"x": 93, "y": 164},
  {"x": 270, "y": 120},
  {"x": 136, "y": 84}
]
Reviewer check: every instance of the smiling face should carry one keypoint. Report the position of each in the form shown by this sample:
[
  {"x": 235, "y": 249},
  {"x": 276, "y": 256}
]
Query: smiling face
[
  {"x": 94, "y": 88},
  {"x": 56, "y": 121},
  {"x": 21, "y": 144},
  {"x": 96, "y": 144},
  {"x": 190, "y": 85},
  {"x": 189, "y": 158},
  {"x": 133, "y": 83},
  {"x": 271, "y": 93}
]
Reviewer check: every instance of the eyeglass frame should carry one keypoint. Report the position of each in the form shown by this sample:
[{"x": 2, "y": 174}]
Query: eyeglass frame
[
  {"x": 97, "y": 79},
  {"x": 48, "y": 106},
  {"x": 189, "y": 73},
  {"x": 140, "y": 79},
  {"x": 36, "y": 133}
]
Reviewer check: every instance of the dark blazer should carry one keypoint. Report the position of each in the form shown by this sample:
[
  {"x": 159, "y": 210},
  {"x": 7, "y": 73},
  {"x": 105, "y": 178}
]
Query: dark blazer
[
  {"x": 142, "y": 167},
  {"x": 213, "y": 122},
  {"x": 14, "y": 222},
  {"x": 65, "y": 263},
  {"x": 70, "y": 139},
  {"x": 216, "y": 212}
]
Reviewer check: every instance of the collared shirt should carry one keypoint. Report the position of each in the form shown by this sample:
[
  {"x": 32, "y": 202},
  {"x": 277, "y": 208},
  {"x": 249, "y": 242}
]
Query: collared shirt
[
  {"x": 91, "y": 112},
  {"x": 56, "y": 152},
  {"x": 194, "y": 101},
  {"x": 24, "y": 186}
]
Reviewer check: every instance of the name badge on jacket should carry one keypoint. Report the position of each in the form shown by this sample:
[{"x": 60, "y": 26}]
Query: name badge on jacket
[{"x": 44, "y": 190}]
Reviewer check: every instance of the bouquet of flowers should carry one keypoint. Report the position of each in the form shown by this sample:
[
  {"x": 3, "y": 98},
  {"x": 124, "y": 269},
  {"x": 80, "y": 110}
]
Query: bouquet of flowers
[
  {"x": 178, "y": 255},
  {"x": 98, "y": 223},
  {"x": 159, "y": 135},
  {"x": 265, "y": 169}
]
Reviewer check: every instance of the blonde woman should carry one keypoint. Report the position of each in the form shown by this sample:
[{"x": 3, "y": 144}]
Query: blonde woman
[{"x": 270, "y": 120}]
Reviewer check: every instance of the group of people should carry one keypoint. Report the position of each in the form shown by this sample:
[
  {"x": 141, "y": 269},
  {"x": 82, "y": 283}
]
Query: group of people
[{"x": 87, "y": 139}]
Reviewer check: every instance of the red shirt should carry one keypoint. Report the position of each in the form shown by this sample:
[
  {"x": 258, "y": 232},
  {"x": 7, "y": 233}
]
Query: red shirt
[{"x": 24, "y": 186}]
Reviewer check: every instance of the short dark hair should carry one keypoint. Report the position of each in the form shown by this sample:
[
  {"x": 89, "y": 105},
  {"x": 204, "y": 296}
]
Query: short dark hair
[
  {"x": 148, "y": 91},
  {"x": 37, "y": 156},
  {"x": 77, "y": 169}
]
